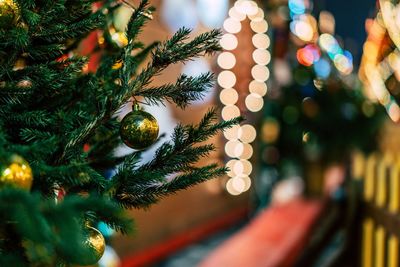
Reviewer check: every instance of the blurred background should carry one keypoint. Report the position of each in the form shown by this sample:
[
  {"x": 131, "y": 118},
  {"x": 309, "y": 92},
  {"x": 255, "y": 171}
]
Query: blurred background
[{"x": 314, "y": 172}]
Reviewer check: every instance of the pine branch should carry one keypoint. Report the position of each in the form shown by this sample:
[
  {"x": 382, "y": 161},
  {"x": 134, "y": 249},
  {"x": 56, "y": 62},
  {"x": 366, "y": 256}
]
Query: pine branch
[
  {"x": 175, "y": 158},
  {"x": 183, "y": 92}
]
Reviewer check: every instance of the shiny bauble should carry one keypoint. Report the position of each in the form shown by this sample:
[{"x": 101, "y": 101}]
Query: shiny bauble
[
  {"x": 96, "y": 245},
  {"x": 139, "y": 129},
  {"x": 16, "y": 172},
  {"x": 113, "y": 39},
  {"x": 9, "y": 13}
]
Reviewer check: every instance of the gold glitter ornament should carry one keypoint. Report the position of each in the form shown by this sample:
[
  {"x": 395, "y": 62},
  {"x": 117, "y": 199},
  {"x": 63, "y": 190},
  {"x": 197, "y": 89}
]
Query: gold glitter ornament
[
  {"x": 139, "y": 129},
  {"x": 96, "y": 244},
  {"x": 15, "y": 171},
  {"x": 117, "y": 38},
  {"x": 9, "y": 13}
]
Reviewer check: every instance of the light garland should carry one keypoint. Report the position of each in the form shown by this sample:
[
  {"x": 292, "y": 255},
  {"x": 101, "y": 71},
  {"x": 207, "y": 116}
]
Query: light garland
[
  {"x": 374, "y": 70},
  {"x": 305, "y": 27},
  {"x": 239, "y": 147}
]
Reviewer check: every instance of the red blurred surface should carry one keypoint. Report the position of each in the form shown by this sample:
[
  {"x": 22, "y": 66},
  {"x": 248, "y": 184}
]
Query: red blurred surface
[
  {"x": 164, "y": 249},
  {"x": 274, "y": 238}
]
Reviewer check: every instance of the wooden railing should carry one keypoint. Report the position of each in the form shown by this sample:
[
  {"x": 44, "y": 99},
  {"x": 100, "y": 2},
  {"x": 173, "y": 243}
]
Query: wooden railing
[{"x": 380, "y": 208}]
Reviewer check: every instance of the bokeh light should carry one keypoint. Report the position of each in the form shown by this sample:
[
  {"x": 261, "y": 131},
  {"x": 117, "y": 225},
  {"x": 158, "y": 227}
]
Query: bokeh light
[
  {"x": 228, "y": 41},
  {"x": 226, "y": 79},
  {"x": 259, "y": 26},
  {"x": 228, "y": 96},
  {"x": 259, "y": 88},
  {"x": 254, "y": 102},
  {"x": 230, "y": 112},
  {"x": 260, "y": 73},
  {"x": 231, "y": 189},
  {"x": 297, "y": 7},
  {"x": 226, "y": 60},
  {"x": 322, "y": 68},
  {"x": 232, "y": 133},
  {"x": 247, "y": 133},
  {"x": 239, "y": 138},
  {"x": 247, "y": 152},
  {"x": 261, "y": 41},
  {"x": 232, "y": 25},
  {"x": 262, "y": 56}
]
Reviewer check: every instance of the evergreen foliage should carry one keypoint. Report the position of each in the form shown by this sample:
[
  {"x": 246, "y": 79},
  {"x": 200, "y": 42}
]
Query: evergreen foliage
[{"x": 51, "y": 108}]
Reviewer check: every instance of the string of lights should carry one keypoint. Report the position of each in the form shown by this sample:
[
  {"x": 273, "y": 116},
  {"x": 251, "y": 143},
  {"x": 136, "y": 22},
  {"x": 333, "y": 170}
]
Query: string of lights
[
  {"x": 239, "y": 139},
  {"x": 375, "y": 70},
  {"x": 307, "y": 29}
]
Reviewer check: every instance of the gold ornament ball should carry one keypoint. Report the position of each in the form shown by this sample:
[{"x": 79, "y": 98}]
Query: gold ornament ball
[
  {"x": 139, "y": 129},
  {"x": 117, "y": 38},
  {"x": 96, "y": 244},
  {"x": 9, "y": 13},
  {"x": 15, "y": 171}
]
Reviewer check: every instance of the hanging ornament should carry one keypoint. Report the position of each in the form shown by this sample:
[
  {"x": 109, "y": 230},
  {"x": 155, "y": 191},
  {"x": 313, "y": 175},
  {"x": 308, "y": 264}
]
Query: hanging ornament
[
  {"x": 96, "y": 245},
  {"x": 59, "y": 193},
  {"x": 20, "y": 63},
  {"x": 112, "y": 38},
  {"x": 118, "y": 38},
  {"x": 9, "y": 13},
  {"x": 15, "y": 171},
  {"x": 24, "y": 84},
  {"x": 139, "y": 129}
]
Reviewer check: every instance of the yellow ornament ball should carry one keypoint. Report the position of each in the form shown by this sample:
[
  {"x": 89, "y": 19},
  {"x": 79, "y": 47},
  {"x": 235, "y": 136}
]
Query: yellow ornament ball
[
  {"x": 16, "y": 172},
  {"x": 96, "y": 244},
  {"x": 117, "y": 38},
  {"x": 9, "y": 13},
  {"x": 139, "y": 129}
]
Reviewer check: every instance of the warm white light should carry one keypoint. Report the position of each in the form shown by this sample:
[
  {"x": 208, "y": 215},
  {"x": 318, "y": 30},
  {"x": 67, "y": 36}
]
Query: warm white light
[
  {"x": 232, "y": 25},
  {"x": 247, "y": 166},
  {"x": 254, "y": 102},
  {"x": 247, "y": 182},
  {"x": 261, "y": 41},
  {"x": 238, "y": 167},
  {"x": 238, "y": 151},
  {"x": 259, "y": 88},
  {"x": 226, "y": 60},
  {"x": 230, "y": 112},
  {"x": 231, "y": 189},
  {"x": 261, "y": 56},
  {"x": 247, "y": 151},
  {"x": 228, "y": 41},
  {"x": 230, "y": 165},
  {"x": 394, "y": 112},
  {"x": 232, "y": 133},
  {"x": 247, "y": 133},
  {"x": 260, "y": 73},
  {"x": 233, "y": 13},
  {"x": 258, "y": 16},
  {"x": 233, "y": 147},
  {"x": 226, "y": 79},
  {"x": 303, "y": 30},
  {"x": 238, "y": 184},
  {"x": 259, "y": 26},
  {"x": 240, "y": 137},
  {"x": 228, "y": 96}
]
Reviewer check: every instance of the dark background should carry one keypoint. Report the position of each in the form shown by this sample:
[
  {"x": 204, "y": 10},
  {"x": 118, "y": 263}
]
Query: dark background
[{"x": 350, "y": 18}]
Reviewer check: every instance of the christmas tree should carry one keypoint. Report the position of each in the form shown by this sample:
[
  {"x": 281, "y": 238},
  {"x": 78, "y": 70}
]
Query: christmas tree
[{"x": 59, "y": 128}]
